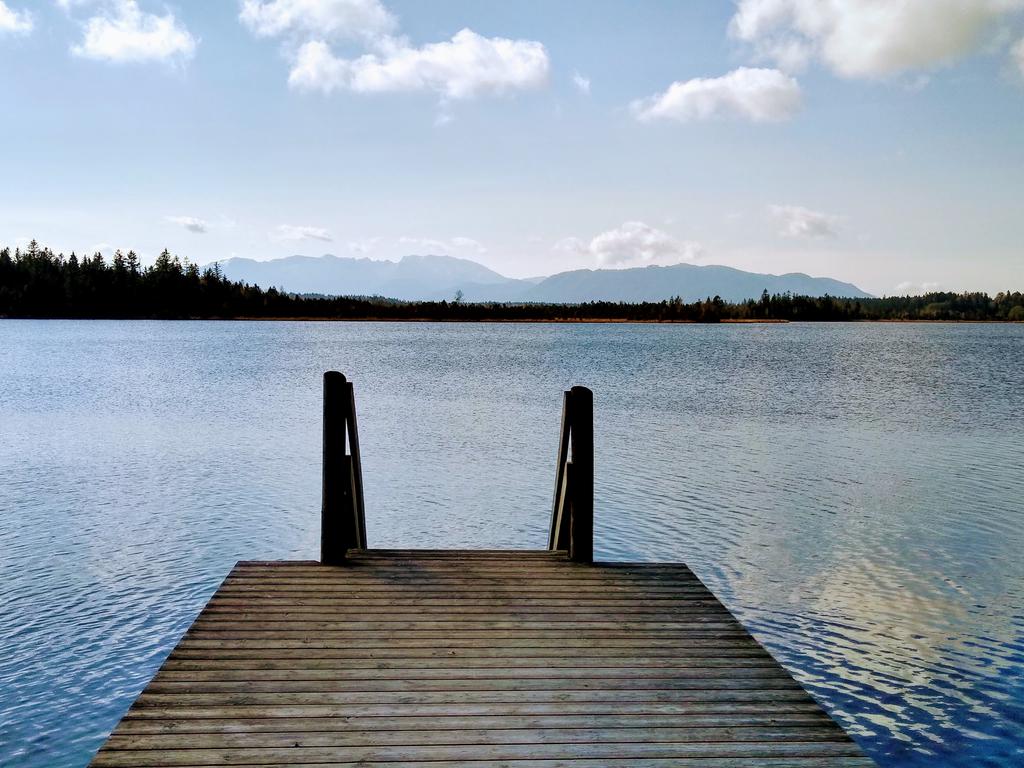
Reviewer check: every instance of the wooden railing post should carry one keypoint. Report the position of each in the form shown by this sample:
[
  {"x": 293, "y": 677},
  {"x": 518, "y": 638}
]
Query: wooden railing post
[
  {"x": 581, "y": 529},
  {"x": 342, "y": 521},
  {"x": 572, "y": 509}
]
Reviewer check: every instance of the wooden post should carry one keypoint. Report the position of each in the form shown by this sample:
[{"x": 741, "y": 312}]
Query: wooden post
[
  {"x": 572, "y": 509},
  {"x": 343, "y": 520},
  {"x": 332, "y": 540},
  {"x": 581, "y": 520}
]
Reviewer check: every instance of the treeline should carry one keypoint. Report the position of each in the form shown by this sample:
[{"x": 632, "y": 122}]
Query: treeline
[{"x": 37, "y": 283}]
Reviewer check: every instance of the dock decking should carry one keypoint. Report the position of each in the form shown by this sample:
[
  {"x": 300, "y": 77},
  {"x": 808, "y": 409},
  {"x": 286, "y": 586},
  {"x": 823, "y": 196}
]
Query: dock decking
[
  {"x": 477, "y": 659},
  {"x": 482, "y": 659}
]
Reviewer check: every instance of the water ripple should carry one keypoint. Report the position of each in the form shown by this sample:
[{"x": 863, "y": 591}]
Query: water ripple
[{"x": 852, "y": 492}]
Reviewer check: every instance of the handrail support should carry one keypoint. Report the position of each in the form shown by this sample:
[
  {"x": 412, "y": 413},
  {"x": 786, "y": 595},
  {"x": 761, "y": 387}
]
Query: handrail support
[
  {"x": 572, "y": 509},
  {"x": 343, "y": 516}
]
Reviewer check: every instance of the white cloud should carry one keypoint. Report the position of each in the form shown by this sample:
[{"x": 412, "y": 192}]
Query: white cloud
[
  {"x": 468, "y": 65},
  {"x": 442, "y": 247},
  {"x": 915, "y": 289},
  {"x": 427, "y": 244},
  {"x": 759, "y": 95},
  {"x": 191, "y": 223},
  {"x": 582, "y": 83},
  {"x": 632, "y": 244},
  {"x": 14, "y": 21},
  {"x": 867, "y": 38},
  {"x": 289, "y": 232},
  {"x": 123, "y": 33},
  {"x": 363, "y": 246},
  {"x": 800, "y": 222},
  {"x": 469, "y": 243},
  {"x": 332, "y": 19},
  {"x": 1018, "y": 55},
  {"x": 570, "y": 245},
  {"x": 465, "y": 66}
]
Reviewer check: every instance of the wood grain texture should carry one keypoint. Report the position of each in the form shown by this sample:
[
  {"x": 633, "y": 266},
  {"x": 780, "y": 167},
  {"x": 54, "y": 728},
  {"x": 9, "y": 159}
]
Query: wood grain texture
[{"x": 435, "y": 659}]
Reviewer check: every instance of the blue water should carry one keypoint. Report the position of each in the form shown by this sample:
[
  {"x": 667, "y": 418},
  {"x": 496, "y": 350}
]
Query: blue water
[{"x": 853, "y": 492}]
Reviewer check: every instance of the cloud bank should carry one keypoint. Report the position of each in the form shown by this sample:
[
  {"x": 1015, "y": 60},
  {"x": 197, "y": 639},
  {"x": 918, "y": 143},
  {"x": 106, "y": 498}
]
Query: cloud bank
[{"x": 867, "y": 38}]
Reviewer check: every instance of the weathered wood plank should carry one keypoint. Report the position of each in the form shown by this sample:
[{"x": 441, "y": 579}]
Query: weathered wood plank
[
  {"x": 363, "y": 712},
  {"x": 346, "y": 667},
  {"x": 489, "y": 659},
  {"x": 739, "y": 679},
  {"x": 272, "y": 755},
  {"x": 290, "y": 725},
  {"x": 490, "y": 674},
  {"x": 430, "y": 736},
  {"x": 630, "y": 762},
  {"x": 568, "y": 697},
  {"x": 449, "y": 645}
]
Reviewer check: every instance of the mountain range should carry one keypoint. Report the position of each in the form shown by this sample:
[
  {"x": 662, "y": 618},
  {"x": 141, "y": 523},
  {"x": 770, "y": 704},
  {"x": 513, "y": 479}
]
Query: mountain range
[{"x": 429, "y": 278}]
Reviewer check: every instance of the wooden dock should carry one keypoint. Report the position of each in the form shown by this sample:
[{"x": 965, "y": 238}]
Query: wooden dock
[{"x": 479, "y": 659}]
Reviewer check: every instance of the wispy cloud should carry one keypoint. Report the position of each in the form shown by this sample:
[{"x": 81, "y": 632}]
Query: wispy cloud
[
  {"x": 469, "y": 243},
  {"x": 290, "y": 232},
  {"x": 582, "y": 83},
  {"x": 909, "y": 288},
  {"x": 799, "y": 222},
  {"x": 191, "y": 223},
  {"x": 443, "y": 247},
  {"x": 758, "y": 95},
  {"x": 363, "y": 246}
]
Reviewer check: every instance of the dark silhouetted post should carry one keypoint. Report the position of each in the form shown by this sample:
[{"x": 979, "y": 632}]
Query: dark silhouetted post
[
  {"x": 342, "y": 525},
  {"x": 581, "y": 531},
  {"x": 572, "y": 509}
]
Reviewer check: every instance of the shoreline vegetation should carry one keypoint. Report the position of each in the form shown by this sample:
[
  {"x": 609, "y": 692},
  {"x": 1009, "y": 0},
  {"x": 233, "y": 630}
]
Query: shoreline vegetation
[{"x": 38, "y": 283}]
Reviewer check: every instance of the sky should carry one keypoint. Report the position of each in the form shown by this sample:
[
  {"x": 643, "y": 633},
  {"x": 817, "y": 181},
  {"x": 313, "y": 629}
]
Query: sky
[{"x": 875, "y": 141}]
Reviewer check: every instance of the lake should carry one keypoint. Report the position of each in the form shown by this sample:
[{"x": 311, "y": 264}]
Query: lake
[{"x": 854, "y": 493}]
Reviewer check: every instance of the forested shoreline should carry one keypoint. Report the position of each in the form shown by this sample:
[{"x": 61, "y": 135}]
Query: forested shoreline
[{"x": 38, "y": 283}]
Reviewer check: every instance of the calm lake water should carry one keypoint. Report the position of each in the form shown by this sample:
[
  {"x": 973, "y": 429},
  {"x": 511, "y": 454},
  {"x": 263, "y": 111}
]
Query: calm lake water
[{"x": 852, "y": 492}]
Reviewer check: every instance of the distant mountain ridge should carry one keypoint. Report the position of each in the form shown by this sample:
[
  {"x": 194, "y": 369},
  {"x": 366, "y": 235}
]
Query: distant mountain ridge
[{"x": 431, "y": 278}]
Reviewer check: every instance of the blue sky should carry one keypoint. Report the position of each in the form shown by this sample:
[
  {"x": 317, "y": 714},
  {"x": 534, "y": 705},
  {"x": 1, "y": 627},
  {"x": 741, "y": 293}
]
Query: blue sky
[{"x": 876, "y": 141}]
